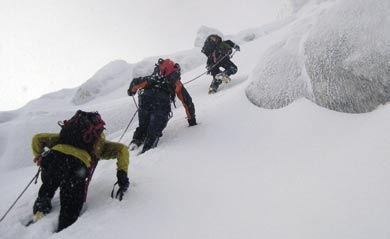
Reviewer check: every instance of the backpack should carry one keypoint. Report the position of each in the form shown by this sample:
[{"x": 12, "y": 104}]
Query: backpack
[
  {"x": 225, "y": 48},
  {"x": 210, "y": 44},
  {"x": 165, "y": 76},
  {"x": 167, "y": 67},
  {"x": 82, "y": 130}
]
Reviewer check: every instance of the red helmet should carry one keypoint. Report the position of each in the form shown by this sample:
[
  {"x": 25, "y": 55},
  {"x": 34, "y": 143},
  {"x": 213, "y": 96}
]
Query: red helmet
[{"x": 167, "y": 67}]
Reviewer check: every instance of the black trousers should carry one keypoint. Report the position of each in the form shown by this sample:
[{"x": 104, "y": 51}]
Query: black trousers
[
  {"x": 153, "y": 116},
  {"x": 69, "y": 174},
  {"x": 227, "y": 64}
]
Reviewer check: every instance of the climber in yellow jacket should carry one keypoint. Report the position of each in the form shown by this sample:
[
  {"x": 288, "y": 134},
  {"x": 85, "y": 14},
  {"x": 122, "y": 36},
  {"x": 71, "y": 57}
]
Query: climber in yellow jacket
[
  {"x": 69, "y": 161},
  {"x": 104, "y": 149}
]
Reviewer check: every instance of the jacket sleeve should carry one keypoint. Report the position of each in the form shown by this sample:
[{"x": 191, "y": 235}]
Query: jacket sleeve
[
  {"x": 185, "y": 99},
  {"x": 230, "y": 43},
  {"x": 40, "y": 141},
  {"x": 119, "y": 151},
  {"x": 136, "y": 84}
]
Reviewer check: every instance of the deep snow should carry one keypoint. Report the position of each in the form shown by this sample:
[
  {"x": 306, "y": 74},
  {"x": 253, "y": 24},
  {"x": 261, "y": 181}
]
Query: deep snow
[{"x": 302, "y": 171}]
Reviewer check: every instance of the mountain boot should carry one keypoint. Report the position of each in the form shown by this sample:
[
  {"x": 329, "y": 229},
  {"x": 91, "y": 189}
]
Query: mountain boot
[
  {"x": 42, "y": 205},
  {"x": 223, "y": 77},
  {"x": 214, "y": 85},
  {"x": 134, "y": 144}
]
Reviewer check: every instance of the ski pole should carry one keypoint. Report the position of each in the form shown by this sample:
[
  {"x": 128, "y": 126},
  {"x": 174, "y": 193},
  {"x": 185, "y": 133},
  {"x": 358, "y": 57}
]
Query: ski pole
[
  {"x": 131, "y": 120},
  {"x": 231, "y": 56},
  {"x": 212, "y": 67},
  {"x": 28, "y": 185},
  {"x": 135, "y": 102},
  {"x": 128, "y": 125}
]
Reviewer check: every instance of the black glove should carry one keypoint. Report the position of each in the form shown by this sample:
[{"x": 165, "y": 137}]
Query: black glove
[
  {"x": 208, "y": 69},
  {"x": 237, "y": 47},
  {"x": 129, "y": 92},
  {"x": 123, "y": 183},
  {"x": 134, "y": 82},
  {"x": 192, "y": 121},
  {"x": 123, "y": 180}
]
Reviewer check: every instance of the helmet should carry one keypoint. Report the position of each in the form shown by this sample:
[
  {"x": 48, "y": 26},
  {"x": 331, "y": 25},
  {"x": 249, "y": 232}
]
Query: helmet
[
  {"x": 167, "y": 67},
  {"x": 215, "y": 38}
]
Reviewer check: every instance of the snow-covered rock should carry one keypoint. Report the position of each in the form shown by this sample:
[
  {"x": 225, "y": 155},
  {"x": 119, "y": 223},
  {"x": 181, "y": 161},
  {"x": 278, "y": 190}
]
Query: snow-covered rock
[
  {"x": 337, "y": 54},
  {"x": 110, "y": 77}
]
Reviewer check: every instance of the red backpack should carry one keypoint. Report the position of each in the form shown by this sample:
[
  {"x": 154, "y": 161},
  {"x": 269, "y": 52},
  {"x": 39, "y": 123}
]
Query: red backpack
[
  {"x": 167, "y": 67},
  {"x": 82, "y": 130}
]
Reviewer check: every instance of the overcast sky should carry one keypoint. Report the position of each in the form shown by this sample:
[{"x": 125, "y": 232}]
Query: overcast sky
[{"x": 47, "y": 45}]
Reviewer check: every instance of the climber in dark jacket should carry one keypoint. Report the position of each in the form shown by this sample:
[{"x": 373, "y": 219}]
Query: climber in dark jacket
[
  {"x": 156, "y": 92},
  {"x": 218, "y": 55}
]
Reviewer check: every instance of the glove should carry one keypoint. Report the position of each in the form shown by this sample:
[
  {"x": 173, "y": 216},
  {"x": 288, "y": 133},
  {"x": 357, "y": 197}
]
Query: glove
[
  {"x": 208, "y": 69},
  {"x": 129, "y": 92},
  {"x": 123, "y": 183},
  {"x": 131, "y": 86},
  {"x": 123, "y": 180},
  {"x": 192, "y": 121},
  {"x": 134, "y": 82},
  {"x": 38, "y": 160},
  {"x": 237, "y": 47}
]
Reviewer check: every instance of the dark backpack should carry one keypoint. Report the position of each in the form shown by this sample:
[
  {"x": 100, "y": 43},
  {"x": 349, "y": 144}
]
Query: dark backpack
[
  {"x": 225, "y": 47},
  {"x": 82, "y": 130},
  {"x": 210, "y": 44}
]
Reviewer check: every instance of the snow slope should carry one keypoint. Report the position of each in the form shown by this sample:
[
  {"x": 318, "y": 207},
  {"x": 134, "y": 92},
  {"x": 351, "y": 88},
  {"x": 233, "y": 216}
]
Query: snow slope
[{"x": 302, "y": 171}]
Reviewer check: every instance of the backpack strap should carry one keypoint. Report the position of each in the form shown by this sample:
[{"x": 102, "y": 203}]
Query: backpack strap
[{"x": 94, "y": 163}]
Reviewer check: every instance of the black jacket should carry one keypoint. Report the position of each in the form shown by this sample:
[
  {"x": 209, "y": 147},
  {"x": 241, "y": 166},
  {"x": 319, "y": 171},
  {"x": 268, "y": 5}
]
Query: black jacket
[
  {"x": 163, "y": 90},
  {"x": 222, "y": 49}
]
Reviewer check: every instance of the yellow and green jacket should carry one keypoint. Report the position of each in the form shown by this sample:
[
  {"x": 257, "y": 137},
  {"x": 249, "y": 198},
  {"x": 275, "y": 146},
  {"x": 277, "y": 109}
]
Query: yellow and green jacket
[{"x": 104, "y": 149}]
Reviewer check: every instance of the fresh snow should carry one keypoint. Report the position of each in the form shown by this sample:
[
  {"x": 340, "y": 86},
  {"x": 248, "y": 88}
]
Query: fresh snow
[{"x": 301, "y": 171}]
